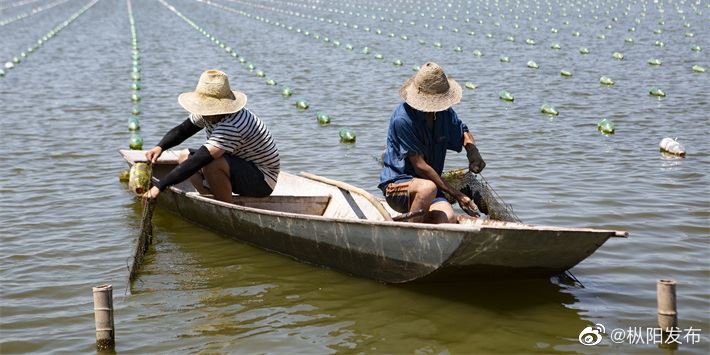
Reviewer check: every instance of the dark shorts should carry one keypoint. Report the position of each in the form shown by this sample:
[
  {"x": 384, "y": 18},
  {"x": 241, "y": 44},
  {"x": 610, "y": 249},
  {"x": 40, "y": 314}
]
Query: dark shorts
[
  {"x": 246, "y": 178},
  {"x": 397, "y": 195}
]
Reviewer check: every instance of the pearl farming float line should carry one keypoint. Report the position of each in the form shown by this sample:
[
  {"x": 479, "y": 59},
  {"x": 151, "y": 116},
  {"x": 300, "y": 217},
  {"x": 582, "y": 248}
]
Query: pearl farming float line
[
  {"x": 322, "y": 118},
  {"x": 9, "y": 65},
  {"x": 31, "y": 12},
  {"x": 18, "y": 4},
  {"x": 136, "y": 140}
]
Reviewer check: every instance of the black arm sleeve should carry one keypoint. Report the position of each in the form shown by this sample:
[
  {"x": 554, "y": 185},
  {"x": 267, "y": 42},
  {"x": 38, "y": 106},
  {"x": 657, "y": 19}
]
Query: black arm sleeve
[
  {"x": 178, "y": 134},
  {"x": 186, "y": 169}
]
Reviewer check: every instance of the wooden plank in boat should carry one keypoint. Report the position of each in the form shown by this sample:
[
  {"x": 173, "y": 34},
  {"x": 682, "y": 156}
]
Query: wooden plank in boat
[{"x": 310, "y": 205}]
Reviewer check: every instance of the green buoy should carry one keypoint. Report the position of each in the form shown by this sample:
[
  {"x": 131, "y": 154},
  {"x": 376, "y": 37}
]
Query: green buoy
[
  {"x": 349, "y": 46},
  {"x": 654, "y": 61},
  {"x": 458, "y": 49},
  {"x": 2, "y": 73},
  {"x": 250, "y": 67},
  {"x": 133, "y": 124},
  {"x": 260, "y": 73},
  {"x": 605, "y": 80},
  {"x": 506, "y": 96},
  {"x": 365, "y": 50},
  {"x": 438, "y": 44},
  {"x": 530, "y": 42},
  {"x": 549, "y": 110},
  {"x": 617, "y": 55},
  {"x": 510, "y": 39},
  {"x": 696, "y": 48},
  {"x": 135, "y": 97},
  {"x": 504, "y": 59},
  {"x": 136, "y": 76},
  {"x": 659, "y": 44},
  {"x": 136, "y": 85},
  {"x": 397, "y": 62},
  {"x": 347, "y": 135},
  {"x": 379, "y": 56},
  {"x": 270, "y": 82},
  {"x": 302, "y": 104},
  {"x": 555, "y": 46},
  {"x": 698, "y": 69},
  {"x": 16, "y": 60},
  {"x": 606, "y": 127},
  {"x": 469, "y": 85},
  {"x": 532, "y": 64},
  {"x": 286, "y": 92},
  {"x": 135, "y": 142},
  {"x": 584, "y": 50},
  {"x": 323, "y": 118},
  {"x": 565, "y": 73},
  {"x": 477, "y": 53},
  {"x": 657, "y": 92},
  {"x": 628, "y": 40},
  {"x": 415, "y": 68}
]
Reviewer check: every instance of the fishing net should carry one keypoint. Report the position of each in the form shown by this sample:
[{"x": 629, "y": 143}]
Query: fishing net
[
  {"x": 145, "y": 238},
  {"x": 482, "y": 194}
]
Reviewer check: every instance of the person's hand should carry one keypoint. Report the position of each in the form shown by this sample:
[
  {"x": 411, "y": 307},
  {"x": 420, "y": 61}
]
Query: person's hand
[
  {"x": 475, "y": 162},
  {"x": 467, "y": 205},
  {"x": 153, "y": 154},
  {"x": 152, "y": 193}
]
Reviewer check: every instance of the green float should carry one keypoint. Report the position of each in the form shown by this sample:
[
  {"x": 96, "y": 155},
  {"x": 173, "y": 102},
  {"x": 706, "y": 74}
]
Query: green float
[
  {"x": 506, "y": 96},
  {"x": 438, "y": 44},
  {"x": 617, "y": 55},
  {"x": 271, "y": 82},
  {"x": 549, "y": 110},
  {"x": 656, "y": 92},
  {"x": 260, "y": 73},
  {"x": 469, "y": 85},
  {"x": 250, "y": 67},
  {"x": 696, "y": 48},
  {"x": 458, "y": 49},
  {"x": 605, "y": 80},
  {"x": 133, "y": 124},
  {"x": 584, "y": 50},
  {"x": 16, "y": 60},
  {"x": 659, "y": 44},
  {"x": 302, "y": 104},
  {"x": 530, "y": 42},
  {"x": 477, "y": 53},
  {"x": 135, "y": 97},
  {"x": 379, "y": 56},
  {"x": 286, "y": 92},
  {"x": 135, "y": 142},
  {"x": 565, "y": 73},
  {"x": 397, "y": 62},
  {"x": 139, "y": 178},
  {"x": 555, "y": 46},
  {"x": 606, "y": 126},
  {"x": 365, "y": 50},
  {"x": 415, "y": 68},
  {"x": 654, "y": 61},
  {"x": 504, "y": 59},
  {"x": 135, "y": 85},
  {"x": 698, "y": 69},
  {"x": 323, "y": 118},
  {"x": 532, "y": 64},
  {"x": 347, "y": 136},
  {"x": 629, "y": 40},
  {"x": 136, "y": 76},
  {"x": 2, "y": 73}
]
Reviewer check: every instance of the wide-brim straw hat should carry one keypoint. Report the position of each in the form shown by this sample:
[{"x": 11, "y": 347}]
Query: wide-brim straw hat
[
  {"x": 429, "y": 90},
  {"x": 213, "y": 96}
]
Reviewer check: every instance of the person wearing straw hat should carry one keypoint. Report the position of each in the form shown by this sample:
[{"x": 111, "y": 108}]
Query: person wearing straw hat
[
  {"x": 239, "y": 156},
  {"x": 421, "y": 130}
]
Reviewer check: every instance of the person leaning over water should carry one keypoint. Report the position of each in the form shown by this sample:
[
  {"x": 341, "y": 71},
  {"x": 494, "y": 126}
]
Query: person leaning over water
[
  {"x": 421, "y": 129},
  {"x": 239, "y": 156}
]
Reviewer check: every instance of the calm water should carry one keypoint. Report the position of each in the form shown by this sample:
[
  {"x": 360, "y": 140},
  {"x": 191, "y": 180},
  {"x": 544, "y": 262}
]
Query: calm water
[{"x": 67, "y": 223}]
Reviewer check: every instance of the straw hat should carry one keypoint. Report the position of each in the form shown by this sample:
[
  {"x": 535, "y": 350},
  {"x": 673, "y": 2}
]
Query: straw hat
[
  {"x": 212, "y": 96},
  {"x": 430, "y": 90}
]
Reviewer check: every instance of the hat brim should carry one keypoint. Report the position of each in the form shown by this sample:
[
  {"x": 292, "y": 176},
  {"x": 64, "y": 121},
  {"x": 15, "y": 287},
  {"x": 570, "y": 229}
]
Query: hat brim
[
  {"x": 208, "y": 106},
  {"x": 431, "y": 102}
]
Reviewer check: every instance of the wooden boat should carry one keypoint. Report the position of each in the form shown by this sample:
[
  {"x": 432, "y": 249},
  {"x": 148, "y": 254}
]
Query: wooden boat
[{"x": 319, "y": 223}]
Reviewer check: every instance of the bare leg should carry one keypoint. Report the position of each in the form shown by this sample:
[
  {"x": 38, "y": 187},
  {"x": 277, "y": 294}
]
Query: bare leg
[
  {"x": 441, "y": 212},
  {"x": 421, "y": 193},
  {"x": 217, "y": 175},
  {"x": 196, "y": 179}
]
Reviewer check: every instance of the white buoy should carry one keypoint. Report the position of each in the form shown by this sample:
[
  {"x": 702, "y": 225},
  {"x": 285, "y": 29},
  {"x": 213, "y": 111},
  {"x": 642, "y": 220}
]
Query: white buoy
[{"x": 671, "y": 146}]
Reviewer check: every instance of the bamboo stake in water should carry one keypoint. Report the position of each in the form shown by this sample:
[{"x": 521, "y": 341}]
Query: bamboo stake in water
[{"x": 103, "y": 317}]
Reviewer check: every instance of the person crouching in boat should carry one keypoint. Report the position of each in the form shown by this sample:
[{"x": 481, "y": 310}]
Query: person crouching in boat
[
  {"x": 239, "y": 156},
  {"x": 421, "y": 129}
]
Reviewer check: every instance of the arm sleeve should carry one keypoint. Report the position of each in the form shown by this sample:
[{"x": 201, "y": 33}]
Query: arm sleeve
[
  {"x": 408, "y": 142},
  {"x": 186, "y": 169},
  {"x": 179, "y": 134},
  {"x": 458, "y": 128}
]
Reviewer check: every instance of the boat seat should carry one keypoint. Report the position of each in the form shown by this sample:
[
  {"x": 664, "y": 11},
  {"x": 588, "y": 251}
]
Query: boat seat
[{"x": 310, "y": 205}]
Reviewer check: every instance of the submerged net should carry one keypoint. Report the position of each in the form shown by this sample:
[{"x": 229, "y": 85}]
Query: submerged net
[
  {"x": 145, "y": 238},
  {"x": 482, "y": 194}
]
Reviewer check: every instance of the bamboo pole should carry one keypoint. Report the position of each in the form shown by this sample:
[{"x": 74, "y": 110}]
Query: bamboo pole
[
  {"x": 103, "y": 317},
  {"x": 667, "y": 312}
]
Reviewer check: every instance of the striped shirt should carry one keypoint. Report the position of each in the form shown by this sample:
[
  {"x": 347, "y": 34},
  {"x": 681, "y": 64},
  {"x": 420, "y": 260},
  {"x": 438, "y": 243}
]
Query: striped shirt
[{"x": 245, "y": 136}]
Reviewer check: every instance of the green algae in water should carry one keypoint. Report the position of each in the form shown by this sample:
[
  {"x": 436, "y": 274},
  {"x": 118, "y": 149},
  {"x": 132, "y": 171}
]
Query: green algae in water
[
  {"x": 506, "y": 96},
  {"x": 347, "y": 136}
]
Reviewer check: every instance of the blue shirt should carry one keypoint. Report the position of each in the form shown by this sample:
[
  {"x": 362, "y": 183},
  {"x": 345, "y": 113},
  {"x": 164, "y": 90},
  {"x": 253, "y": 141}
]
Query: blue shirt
[{"x": 409, "y": 135}]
